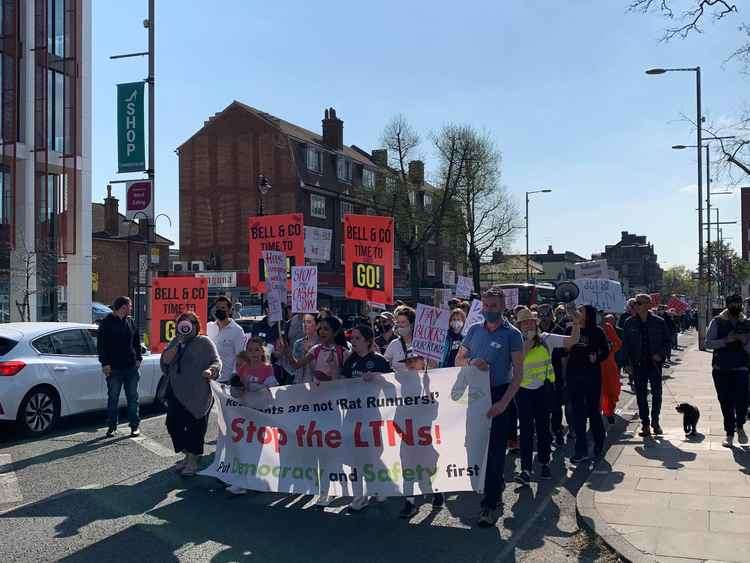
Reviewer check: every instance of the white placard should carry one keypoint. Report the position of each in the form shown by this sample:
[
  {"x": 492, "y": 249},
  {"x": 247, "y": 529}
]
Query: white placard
[
  {"x": 449, "y": 277},
  {"x": 605, "y": 295},
  {"x": 464, "y": 287},
  {"x": 219, "y": 279},
  {"x": 318, "y": 244},
  {"x": 430, "y": 331},
  {"x": 511, "y": 297},
  {"x": 304, "y": 289},
  {"x": 594, "y": 269},
  {"x": 474, "y": 317},
  {"x": 394, "y": 436},
  {"x": 275, "y": 263},
  {"x": 440, "y": 297}
]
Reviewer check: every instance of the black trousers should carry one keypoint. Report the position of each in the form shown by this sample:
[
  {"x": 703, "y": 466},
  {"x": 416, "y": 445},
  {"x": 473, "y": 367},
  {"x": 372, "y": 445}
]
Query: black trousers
[
  {"x": 585, "y": 393},
  {"x": 560, "y": 402},
  {"x": 187, "y": 432},
  {"x": 534, "y": 415},
  {"x": 644, "y": 376},
  {"x": 494, "y": 481},
  {"x": 731, "y": 389}
]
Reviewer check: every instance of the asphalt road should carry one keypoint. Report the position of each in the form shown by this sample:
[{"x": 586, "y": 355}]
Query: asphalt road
[{"x": 78, "y": 496}]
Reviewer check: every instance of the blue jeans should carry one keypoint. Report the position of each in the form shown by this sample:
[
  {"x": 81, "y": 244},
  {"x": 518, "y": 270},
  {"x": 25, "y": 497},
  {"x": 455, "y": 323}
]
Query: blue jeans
[{"x": 118, "y": 379}]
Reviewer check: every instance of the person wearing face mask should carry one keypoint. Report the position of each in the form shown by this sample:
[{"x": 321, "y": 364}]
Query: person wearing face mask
[
  {"x": 191, "y": 362},
  {"x": 395, "y": 352},
  {"x": 454, "y": 338},
  {"x": 227, "y": 336},
  {"x": 387, "y": 335},
  {"x": 728, "y": 337}
]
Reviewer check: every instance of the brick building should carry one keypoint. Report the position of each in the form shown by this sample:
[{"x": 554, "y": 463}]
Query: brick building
[
  {"x": 310, "y": 173},
  {"x": 636, "y": 261},
  {"x": 116, "y": 246}
]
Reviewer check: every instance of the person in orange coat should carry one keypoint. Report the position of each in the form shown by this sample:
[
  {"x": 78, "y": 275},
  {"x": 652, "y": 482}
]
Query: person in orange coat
[{"x": 610, "y": 371}]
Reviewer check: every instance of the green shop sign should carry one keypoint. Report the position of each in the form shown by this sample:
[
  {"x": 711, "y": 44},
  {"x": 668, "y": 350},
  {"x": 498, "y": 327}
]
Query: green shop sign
[{"x": 131, "y": 145}]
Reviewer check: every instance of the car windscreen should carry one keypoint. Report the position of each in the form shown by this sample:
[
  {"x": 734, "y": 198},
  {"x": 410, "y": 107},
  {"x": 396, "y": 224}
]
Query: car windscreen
[{"x": 6, "y": 345}]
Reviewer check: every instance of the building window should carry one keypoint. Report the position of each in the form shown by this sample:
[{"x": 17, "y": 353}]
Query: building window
[
  {"x": 6, "y": 197},
  {"x": 368, "y": 178},
  {"x": 431, "y": 268},
  {"x": 346, "y": 207},
  {"x": 427, "y": 200},
  {"x": 344, "y": 169},
  {"x": 396, "y": 260},
  {"x": 55, "y": 109},
  {"x": 314, "y": 160},
  {"x": 56, "y": 27},
  {"x": 318, "y": 206},
  {"x": 412, "y": 197},
  {"x": 446, "y": 267},
  {"x": 390, "y": 183}
]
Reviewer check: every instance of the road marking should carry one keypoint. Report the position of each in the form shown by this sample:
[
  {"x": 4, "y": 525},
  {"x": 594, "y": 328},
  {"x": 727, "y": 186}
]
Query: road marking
[
  {"x": 154, "y": 447},
  {"x": 10, "y": 492}
]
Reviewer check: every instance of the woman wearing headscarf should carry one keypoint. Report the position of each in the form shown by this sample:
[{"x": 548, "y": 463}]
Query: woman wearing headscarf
[
  {"x": 191, "y": 362},
  {"x": 610, "y": 371}
]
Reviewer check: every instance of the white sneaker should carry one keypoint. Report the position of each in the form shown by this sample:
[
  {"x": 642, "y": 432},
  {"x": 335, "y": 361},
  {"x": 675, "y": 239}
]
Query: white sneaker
[
  {"x": 741, "y": 436},
  {"x": 324, "y": 500},
  {"x": 359, "y": 503},
  {"x": 236, "y": 490},
  {"x": 728, "y": 442}
]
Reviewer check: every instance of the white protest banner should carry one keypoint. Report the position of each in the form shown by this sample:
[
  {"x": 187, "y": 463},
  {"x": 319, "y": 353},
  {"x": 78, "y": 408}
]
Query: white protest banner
[
  {"x": 415, "y": 434},
  {"x": 474, "y": 317},
  {"x": 219, "y": 279},
  {"x": 304, "y": 289},
  {"x": 511, "y": 297},
  {"x": 318, "y": 244},
  {"x": 374, "y": 305},
  {"x": 430, "y": 331},
  {"x": 593, "y": 269},
  {"x": 275, "y": 263},
  {"x": 605, "y": 295},
  {"x": 464, "y": 287}
]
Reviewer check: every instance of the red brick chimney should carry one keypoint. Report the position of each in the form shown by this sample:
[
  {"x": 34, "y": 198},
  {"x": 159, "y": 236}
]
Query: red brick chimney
[
  {"x": 380, "y": 157},
  {"x": 333, "y": 130},
  {"x": 111, "y": 214},
  {"x": 416, "y": 172}
]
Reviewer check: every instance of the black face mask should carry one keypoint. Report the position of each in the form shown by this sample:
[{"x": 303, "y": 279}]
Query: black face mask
[
  {"x": 220, "y": 314},
  {"x": 386, "y": 328}
]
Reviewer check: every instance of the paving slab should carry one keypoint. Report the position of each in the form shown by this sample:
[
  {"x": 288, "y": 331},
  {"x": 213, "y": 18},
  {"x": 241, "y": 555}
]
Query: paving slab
[{"x": 670, "y": 498}]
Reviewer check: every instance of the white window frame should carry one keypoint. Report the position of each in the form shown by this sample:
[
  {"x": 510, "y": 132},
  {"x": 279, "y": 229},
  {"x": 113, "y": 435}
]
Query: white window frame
[
  {"x": 314, "y": 160},
  {"x": 396, "y": 260},
  {"x": 315, "y": 206},
  {"x": 390, "y": 183},
  {"x": 430, "y": 268},
  {"x": 346, "y": 207},
  {"x": 427, "y": 200},
  {"x": 412, "y": 197},
  {"x": 344, "y": 169},
  {"x": 368, "y": 178},
  {"x": 446, "y": 267}
]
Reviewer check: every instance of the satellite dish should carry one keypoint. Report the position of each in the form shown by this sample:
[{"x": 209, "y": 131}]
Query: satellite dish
[{"x": 567, "y": 292}]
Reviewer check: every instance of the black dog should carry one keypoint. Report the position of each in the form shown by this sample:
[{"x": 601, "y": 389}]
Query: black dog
[{"x": 690, "y": 417}]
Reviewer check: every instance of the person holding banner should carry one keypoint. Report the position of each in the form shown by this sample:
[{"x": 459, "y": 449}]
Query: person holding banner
[
  {"x": 537, "y": 392},
  {"x": 493, "y": 346},
  {"x": 327, "y": 357},
  {"x": 302, "y": 346},
  {"x": 396, "y": 350},
  {"x": 191, "y": 362}
]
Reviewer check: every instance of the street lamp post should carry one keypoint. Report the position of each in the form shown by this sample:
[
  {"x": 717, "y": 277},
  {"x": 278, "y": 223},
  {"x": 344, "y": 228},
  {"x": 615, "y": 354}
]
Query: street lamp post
[
  {"x": 528, "y": 272},
  {"x": 264, "y": 186},
  {"x": 699, "y": 144}
]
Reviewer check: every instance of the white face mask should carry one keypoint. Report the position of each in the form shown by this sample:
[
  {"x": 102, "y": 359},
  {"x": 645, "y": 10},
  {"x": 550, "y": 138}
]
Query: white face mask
[
  {"x": 529, "y": 335},
  {"x": 457, "y": 325},
  {"x": 404, "y": 332}
]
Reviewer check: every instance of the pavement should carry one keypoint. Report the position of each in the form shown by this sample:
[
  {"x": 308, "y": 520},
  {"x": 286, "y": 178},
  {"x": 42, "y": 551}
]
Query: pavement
[
  {"x": 77, "y": 496},
  {"x": 672, "y": 499}
]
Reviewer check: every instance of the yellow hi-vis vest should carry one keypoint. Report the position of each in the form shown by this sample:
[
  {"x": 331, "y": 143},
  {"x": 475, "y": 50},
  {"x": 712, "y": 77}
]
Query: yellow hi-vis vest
[{"x": 537, "y": 367}]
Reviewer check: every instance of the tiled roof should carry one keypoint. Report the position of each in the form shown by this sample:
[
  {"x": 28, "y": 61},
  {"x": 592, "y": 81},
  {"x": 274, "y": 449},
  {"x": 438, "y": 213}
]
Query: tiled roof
[{"x": 126, "y": 228}]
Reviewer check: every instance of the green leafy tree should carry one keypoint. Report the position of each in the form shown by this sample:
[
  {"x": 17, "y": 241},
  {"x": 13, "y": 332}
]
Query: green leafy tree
[{"x": 679, "y": 280}]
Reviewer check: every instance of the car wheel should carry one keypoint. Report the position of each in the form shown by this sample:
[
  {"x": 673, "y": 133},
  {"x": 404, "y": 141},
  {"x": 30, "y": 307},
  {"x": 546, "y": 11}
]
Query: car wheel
[
  {"x": 39, "y": 411},
  {"x": 160, "y": 401}
]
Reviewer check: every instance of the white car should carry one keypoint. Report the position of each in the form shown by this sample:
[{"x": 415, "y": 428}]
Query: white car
[{"x": 49, "y": 370}]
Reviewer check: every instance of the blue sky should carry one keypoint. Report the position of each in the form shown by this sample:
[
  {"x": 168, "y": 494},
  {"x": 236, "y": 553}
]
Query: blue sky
[{"x": 559, "y": 85}]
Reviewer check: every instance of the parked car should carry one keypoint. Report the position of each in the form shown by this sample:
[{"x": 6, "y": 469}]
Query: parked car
[{"x": 50, "y": 370}]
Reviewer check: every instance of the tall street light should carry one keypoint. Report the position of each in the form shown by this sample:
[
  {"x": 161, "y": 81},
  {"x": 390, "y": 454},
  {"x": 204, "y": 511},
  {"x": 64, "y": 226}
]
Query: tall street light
[
  {"x": 264, "y": 186},
  {"x": 528, "y": 273},
  {"x": 699, "y": 143}
]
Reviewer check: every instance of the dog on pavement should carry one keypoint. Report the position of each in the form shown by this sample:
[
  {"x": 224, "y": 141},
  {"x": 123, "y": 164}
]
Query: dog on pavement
[{"x": 690, "y": 417}]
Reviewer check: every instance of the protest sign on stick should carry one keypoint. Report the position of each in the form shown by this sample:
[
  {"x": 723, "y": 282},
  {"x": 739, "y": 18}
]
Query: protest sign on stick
[
  {"x": 430, "y": 331},
  {"x": 305, "y": 289},
  {"x": 368, "y": 258},
  {"x": 275, "y": 286},
  {"x": 474, "y": 317},
  {"x": 171, "y": 296},
  {"x": 280, "y": 233},
  {"x": 604, "y": 295},
  {"x": 464, "y": 287}
]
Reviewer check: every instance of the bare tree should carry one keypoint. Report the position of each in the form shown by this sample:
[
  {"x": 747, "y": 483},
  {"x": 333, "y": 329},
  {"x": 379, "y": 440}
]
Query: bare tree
[
  {"x": 399, "y": 196},
  {"x": 486, "y": 209},
  {"x": 687, "y": 20}
]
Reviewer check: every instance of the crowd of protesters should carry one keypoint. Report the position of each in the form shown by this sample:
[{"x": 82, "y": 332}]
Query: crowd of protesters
[{"x": 545, "y": 364}]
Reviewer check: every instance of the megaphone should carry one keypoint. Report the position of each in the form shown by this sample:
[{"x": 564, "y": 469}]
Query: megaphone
[{"x": 567, "y": 292}]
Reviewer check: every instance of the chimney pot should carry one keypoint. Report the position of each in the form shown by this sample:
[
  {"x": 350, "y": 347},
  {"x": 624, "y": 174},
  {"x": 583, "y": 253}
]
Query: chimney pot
[
  {"x": 549, "y": 250},
  {"x": 380, "y": 157},
  {"x": 111, "y": 214},
  {"x": 333, "y": 130}
]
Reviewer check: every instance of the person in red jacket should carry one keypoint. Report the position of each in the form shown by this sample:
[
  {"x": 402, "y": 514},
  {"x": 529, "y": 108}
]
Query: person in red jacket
[{"x": 610, "y": 371}]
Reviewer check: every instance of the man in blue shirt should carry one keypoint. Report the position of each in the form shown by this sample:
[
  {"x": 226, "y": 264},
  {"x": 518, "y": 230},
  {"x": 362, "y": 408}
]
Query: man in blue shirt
[{"x": 494, "y": 346}]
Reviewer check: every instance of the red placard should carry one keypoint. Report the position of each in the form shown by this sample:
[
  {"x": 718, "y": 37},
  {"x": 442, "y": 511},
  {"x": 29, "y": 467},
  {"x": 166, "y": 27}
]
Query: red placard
[
  {"x": 282, "y": 233},
  {"x": 368, "y": 258},
  {"x": 655, "y": 299},
  {"x": 678, "y": 305},
  {"x": 171, "y": 296}
]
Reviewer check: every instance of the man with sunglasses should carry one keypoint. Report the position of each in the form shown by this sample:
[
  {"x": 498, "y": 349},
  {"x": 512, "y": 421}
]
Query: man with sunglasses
[{"x": 646, "y": 341}]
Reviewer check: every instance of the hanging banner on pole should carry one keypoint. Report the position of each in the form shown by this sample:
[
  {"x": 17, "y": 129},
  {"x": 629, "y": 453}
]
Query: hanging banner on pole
[
  {"x": 139, "y": 201},
  {"x": 368, "y": 258},
  {"x": 305, "y": 289},
  {"x": 131, "y": 144},
  {"x": 170, "y": 297},
  {"x": 280, "y": 233}
]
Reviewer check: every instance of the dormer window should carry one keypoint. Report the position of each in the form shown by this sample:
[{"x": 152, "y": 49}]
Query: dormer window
[
  {"x": 315, "y": 160},
  {"x": 344, "y": 169},
  {"x": 427, "y": 200},
  {"x": 368, "y": 178}
]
